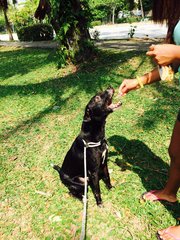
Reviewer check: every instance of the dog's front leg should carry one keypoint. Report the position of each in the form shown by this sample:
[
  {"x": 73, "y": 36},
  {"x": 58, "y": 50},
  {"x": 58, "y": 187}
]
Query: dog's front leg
[
  {"x": 106, "y": 177},
  {"x": 96, "y": 187}
]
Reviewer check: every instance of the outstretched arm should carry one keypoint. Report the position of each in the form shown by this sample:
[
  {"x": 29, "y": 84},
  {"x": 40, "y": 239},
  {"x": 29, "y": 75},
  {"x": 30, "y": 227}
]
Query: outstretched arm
[
  {"x": 163, "y": 54},
  {"x": 133, "y": 84}
]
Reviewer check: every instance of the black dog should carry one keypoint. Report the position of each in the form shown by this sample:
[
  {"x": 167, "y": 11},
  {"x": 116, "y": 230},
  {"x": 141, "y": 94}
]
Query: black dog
[{"x": 92, "y": 130}]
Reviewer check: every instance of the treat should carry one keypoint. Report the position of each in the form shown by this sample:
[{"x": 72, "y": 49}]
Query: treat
[{"x": 166, "y": 73}]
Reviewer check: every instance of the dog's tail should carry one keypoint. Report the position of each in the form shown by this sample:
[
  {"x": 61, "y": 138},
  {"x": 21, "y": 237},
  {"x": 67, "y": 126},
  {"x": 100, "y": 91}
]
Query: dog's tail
[
  {"x": 56, "y": 167},
  {"x": 74, "y": 182}
]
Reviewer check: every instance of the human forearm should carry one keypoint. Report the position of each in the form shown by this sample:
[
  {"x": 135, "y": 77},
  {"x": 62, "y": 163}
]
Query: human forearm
[
  {"x": 150, "y": 77},
  {"x": 135, "y": 83}
]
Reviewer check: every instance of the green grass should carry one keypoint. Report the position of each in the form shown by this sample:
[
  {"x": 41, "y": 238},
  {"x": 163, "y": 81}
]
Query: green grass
[{"x": 41, "y": 112}]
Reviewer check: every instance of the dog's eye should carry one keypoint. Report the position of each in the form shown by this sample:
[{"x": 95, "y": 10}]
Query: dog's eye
[{"x": 97, "y": 98}]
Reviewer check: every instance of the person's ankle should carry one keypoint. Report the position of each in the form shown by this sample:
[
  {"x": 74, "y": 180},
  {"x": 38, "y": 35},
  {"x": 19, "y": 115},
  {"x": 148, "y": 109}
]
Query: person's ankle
[{"x": 168, "y": 194}]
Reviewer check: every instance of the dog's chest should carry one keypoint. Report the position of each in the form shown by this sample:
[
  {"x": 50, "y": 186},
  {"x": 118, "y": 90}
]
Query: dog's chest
[{"x": 96, "y": 156}]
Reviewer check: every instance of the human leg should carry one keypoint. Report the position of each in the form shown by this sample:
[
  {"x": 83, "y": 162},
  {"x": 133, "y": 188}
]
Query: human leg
[
  {"x": 170, "y": 233},
  {"x": 169, "y": 192}
]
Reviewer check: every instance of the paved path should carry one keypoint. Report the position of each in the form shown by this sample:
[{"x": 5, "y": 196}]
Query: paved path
[
  {"x": 111, "y": 36},
  {"x": 5, "y": 37},
  {"x": 120, "y": 31}
]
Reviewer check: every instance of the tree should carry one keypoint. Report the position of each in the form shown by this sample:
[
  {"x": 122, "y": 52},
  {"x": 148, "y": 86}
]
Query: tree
[
  {"x": 142, "y": 10},
  {"x": 4, "y": 8},
  {"x": 112, "y": 4},
  {"x": 23, "y": 16},
  {"x": 144, "y": 5},
  {"x": 147, "y": 5},
  {"x": 70, "y": 20}
]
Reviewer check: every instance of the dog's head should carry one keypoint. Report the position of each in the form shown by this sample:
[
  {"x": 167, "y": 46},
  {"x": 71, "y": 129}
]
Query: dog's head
[{"x": 100, "y": 106}]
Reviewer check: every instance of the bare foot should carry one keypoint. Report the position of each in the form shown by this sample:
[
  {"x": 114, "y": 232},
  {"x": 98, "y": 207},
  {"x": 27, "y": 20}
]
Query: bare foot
[
  {"x": 158, "y": 195},
  {"x": 171, "y": 233}
]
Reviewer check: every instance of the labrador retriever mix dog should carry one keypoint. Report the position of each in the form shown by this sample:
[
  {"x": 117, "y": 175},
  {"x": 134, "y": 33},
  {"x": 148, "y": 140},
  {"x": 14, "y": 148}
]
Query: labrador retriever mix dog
[{"x": 92, "y": 131}]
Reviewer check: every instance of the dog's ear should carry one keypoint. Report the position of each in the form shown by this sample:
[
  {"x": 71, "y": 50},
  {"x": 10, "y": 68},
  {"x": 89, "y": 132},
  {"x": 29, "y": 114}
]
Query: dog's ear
[{"x": 87, "y": 116}]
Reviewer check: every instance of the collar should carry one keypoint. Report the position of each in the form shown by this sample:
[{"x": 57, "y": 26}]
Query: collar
[{"x": 91, "y": 144}]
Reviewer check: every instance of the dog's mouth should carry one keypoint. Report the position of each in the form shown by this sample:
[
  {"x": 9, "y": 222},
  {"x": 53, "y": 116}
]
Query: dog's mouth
[
  {"x": 115, "y": 106},
  {"x": 112, "y": 106}
]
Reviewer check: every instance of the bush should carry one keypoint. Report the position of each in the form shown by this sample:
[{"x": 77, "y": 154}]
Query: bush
[
  {"x": 134, "y": 19},
  {"x": 96, "y": 23},
  {"x": 128, "y": 19},
  {"x": 2, "y": 24},
  {"x": 37, "y": 32},
  {"x": 121, "y": 20}
]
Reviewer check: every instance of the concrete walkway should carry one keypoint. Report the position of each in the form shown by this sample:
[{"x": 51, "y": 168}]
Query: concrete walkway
[
  {"x": 120, "y": 31},
  {"x": 110, "y": 36}
]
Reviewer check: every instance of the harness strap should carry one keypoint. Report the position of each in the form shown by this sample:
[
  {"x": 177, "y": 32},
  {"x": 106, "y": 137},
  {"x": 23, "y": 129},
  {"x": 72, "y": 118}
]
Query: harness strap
[{"x": 86, "y": 145}]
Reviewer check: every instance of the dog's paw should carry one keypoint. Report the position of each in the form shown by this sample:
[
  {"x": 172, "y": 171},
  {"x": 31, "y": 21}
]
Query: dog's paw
[
  {"x": 109, "y": 187},
  {"x": 100, "y": 205},
  {"x": 99, "y": 202}
]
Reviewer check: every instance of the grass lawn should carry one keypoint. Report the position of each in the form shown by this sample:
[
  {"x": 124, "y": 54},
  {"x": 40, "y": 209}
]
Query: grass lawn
[{"x": 41, "y": 113}]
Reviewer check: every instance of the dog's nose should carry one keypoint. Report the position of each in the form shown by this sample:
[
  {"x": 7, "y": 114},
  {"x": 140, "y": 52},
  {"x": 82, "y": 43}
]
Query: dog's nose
[{"x": 110, "y": 90}]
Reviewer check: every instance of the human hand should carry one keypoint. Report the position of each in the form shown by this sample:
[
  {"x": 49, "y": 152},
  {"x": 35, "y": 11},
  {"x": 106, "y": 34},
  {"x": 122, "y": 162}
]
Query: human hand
[
  {"x": 128, "y": 85},
  {"x": 163, "y": 54}
]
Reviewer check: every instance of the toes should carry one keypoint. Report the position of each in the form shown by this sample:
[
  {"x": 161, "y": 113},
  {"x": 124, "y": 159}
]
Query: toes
[{"x": 150, "y": 196}]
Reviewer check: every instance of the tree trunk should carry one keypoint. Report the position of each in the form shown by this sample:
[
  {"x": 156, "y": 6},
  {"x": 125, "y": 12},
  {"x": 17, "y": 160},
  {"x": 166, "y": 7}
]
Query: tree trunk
[
  {"x": 8, "y": 26},
  {"x": 78, "y": 35},
  {"x": 113, "y": 14},
  {"x": 70, "y": 22},
  {"x": 142, "y": 11}
]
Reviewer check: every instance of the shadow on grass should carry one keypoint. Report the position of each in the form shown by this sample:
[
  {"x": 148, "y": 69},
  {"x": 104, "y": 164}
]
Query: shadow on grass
[
  {"x": 126, "y": 45},
  {"x": 165, "y": 107},
  {"x": 22, "y": 61},
  {"x": 89, "y": 78},
  {"x": 138, "y": 157}
]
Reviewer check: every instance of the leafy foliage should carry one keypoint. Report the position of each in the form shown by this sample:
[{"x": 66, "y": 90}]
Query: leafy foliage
[
  {"x": 70, "y": 20},
  {"x": 104, "y": 10},
  {"x": 2, "y": 23},
  {"x": 132, "y": 31},
  {"x": 4, "y": 7},
  {"x": 101, "y": 12},
  {"x": 24, "y": 16},
  {"x": 147, "y": 5},
  {"x": 36, "y": 32}
]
